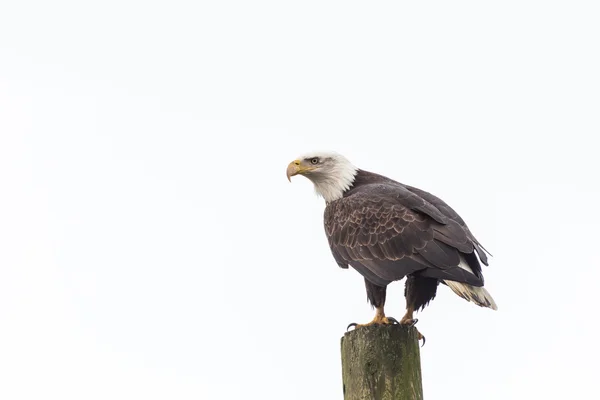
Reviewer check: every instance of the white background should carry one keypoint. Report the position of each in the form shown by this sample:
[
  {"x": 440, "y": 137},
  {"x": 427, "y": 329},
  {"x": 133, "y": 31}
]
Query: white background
[{"x": 151, "y": 247}]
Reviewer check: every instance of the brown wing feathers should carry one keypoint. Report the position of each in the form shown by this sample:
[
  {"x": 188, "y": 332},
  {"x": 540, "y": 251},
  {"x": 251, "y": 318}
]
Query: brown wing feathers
[{"x": 387, "y": 232}]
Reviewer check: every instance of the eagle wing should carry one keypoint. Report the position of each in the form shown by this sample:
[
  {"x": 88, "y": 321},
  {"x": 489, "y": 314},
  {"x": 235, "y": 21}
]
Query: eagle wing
[
  {"x": 453, "y": 215},
  {"x": 386, "y": 231}
]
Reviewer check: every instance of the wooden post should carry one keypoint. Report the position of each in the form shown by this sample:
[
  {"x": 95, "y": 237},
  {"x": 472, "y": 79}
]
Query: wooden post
[{"x": 381, "y": 362}]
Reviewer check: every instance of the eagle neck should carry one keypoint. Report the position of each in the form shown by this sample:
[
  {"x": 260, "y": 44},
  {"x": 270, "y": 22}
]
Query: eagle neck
[{"x": 333, "y": 185}]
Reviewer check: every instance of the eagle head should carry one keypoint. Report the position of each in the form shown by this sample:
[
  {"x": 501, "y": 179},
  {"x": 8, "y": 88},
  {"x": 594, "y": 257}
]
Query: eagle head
[{"x": 331, "y": 173}]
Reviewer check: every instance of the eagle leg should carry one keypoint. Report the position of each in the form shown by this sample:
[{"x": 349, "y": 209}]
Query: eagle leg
[
  {"x": 380, "y": 319},
  {"x": 408, "y": 317}
]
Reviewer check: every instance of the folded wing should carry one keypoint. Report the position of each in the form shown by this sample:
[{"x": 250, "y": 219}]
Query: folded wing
[{"x": 387, "y": 231}]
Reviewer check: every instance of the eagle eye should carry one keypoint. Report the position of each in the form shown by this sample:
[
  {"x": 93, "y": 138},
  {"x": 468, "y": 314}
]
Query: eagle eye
[{"x": 314, "y": 160}]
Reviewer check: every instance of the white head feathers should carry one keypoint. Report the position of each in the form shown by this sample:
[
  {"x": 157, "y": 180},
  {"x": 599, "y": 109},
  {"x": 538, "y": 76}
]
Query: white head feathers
[{"x": 331, "y": 173}]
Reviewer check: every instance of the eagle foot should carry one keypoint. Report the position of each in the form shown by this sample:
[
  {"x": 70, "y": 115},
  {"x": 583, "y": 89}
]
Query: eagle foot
[
  {"x": 376, "y": 321},
  {"x": 409, "y": 321},
  {"x": 412, "y": 322}
]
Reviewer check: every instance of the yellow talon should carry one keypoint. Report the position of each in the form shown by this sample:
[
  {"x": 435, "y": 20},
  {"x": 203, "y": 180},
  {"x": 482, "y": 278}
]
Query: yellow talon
[
  {"x": 409, "y": 320},
  {"x": 380, "y": 319}
]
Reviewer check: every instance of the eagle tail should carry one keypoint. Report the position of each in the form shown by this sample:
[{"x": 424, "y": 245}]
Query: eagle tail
[{"x": 478, "y": 295}]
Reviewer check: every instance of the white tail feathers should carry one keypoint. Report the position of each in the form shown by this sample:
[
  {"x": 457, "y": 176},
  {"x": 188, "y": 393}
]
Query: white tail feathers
[{"x": 478, "y": 295}]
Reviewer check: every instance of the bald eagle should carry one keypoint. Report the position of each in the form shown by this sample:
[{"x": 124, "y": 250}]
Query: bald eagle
[{"x": 386, "y": 231}]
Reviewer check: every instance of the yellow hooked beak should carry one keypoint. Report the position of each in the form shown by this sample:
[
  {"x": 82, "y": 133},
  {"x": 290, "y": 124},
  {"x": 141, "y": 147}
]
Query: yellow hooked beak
[{"x": 296, "y": 167}]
